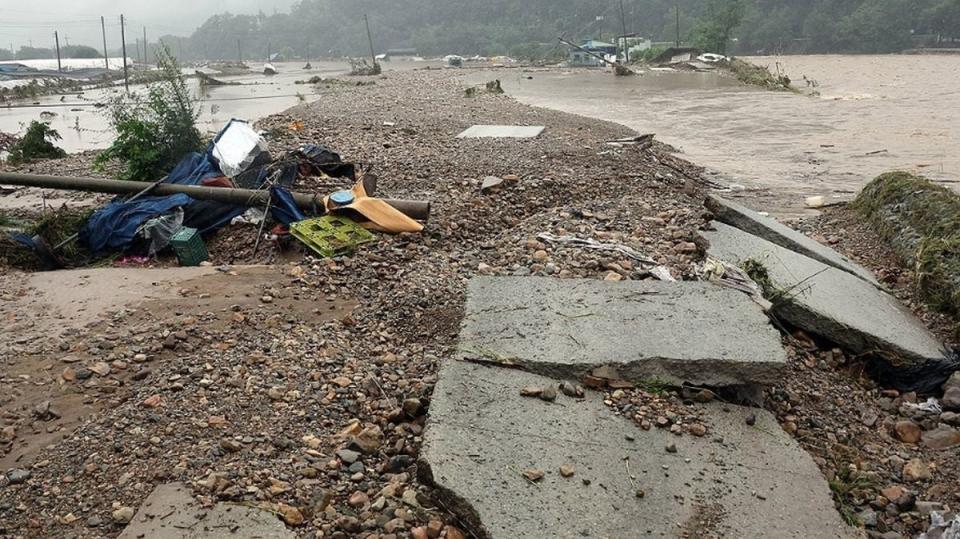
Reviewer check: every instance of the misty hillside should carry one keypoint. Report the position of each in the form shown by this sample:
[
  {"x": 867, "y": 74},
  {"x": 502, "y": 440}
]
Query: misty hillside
[{"x": 529, "y": 28}]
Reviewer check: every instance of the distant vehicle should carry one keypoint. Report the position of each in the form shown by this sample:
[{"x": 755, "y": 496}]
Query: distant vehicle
[{"x": 268, "y": 69}]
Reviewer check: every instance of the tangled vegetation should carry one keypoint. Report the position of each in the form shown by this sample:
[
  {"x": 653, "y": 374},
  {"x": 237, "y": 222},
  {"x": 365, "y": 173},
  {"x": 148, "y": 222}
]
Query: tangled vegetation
[
  {"x": 36, "y": 144},
  {"x": 921, "y": 221},
  {"x": 54, "y": 228},
  {"x": 755, "y": 75},
  {"x": 155, "y": 130}
]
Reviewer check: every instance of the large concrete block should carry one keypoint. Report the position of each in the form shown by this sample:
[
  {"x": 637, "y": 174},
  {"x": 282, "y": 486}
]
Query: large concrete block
[
  {"x": 841, "y": 307},
  {"x": 738, "y": 481},
  {"x": 697, "y": 333},
  {"x": 770, "y": 229}
]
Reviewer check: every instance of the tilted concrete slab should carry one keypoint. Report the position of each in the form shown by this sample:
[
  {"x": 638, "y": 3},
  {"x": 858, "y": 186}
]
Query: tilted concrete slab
[
  {"x": 170, "y": 512},
  {"x": 768, "y": 228},
  {"x": 698, "y": 333},
  {"x": 502, "y": 131},
  {"x": 832, "y": 303},
  {"x": 738, "y": 481}
]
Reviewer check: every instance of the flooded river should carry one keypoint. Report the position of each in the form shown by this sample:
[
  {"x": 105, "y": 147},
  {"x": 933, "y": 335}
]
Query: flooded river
[{"x": 872, "y": 114}]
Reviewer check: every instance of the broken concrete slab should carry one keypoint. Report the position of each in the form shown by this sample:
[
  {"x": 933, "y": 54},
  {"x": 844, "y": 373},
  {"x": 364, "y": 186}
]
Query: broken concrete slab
[
  {"x": 502, "y": 131},
  {"x": 768, "y": 228},
  {"x": 697, "y": 333},
  {"x": 834, "y": 304},
  {"x": 738, "y": 481},
  {"x": 171, "y": 512}
]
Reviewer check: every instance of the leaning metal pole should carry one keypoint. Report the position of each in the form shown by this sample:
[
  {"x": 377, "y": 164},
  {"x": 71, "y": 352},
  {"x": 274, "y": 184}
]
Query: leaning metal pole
[{"x": 414, "y": 209}]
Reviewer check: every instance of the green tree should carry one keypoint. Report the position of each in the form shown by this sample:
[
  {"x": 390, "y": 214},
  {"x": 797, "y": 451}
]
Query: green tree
[
  {"x": 154, "y": 131},
  {"x": 944, "y": 18},
  {"x": 715, "y": 29},
  {"x": 81, "y": 51},
  {"x": 36, "y": 144},
  {"x": 35, "y": 53}
]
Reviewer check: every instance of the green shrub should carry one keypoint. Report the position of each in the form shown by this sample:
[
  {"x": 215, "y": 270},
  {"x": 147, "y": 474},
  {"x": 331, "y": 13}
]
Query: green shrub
[
  {"x": 156, "y": 129},
  {"x": 647, "y": 55},
  {"x": 36, "y": 144}
]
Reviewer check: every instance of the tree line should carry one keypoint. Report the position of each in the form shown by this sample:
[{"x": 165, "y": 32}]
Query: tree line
[{"x": 529, "y": 28}]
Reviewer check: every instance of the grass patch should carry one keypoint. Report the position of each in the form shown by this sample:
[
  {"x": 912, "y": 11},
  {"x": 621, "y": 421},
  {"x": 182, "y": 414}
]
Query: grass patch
[
  {"x": 845, "y": 488},
  {"x": 657, "y": 387},
  {"x": 921, "y": 221},
  {"x": 760, "y": 275}
]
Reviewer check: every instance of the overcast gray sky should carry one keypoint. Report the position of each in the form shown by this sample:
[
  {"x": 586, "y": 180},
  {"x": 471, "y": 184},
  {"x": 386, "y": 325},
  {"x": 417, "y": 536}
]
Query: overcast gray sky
[{"x": 79, "y": 20}]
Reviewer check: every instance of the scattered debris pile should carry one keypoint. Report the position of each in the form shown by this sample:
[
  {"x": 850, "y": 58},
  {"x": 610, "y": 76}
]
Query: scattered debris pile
[{"x": 208, "y": 191}]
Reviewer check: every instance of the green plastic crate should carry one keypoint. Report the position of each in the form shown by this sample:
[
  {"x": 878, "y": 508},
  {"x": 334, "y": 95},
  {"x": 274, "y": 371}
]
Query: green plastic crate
[
  {"x": 331, "y": 235},
  {"x": 189, "y": 246}
]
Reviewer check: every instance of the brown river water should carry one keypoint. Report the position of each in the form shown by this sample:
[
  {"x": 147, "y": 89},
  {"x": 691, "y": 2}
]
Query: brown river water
[{"x": 873, "y": 114}]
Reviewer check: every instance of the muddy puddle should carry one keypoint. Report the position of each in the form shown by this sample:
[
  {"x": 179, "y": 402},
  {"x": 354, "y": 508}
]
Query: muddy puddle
[
  {"x": 49, "y": 395},
  {"x": 872, "y": 114}
]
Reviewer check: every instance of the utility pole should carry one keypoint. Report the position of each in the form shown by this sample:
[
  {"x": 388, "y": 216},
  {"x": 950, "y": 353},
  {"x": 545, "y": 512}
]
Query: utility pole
[
  {"x": 373, "y": 54},
  {"x": 103, "y": 30},
  {"x": 123, "y": 41},
  {"x": 146, "y": 59},
  {"x": 623, "y": 23},
  {"x": 678, "y": 24},
  {"x": 268, "y": 50},
  {"x": 240, "y": 50},
  {"x": 56, "y": 38},
  {"x": 600, "y": 27}
]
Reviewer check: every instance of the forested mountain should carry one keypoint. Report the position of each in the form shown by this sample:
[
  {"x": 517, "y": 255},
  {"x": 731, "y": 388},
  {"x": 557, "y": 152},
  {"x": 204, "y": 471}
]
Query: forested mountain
[{"x": 529, "y": 28}]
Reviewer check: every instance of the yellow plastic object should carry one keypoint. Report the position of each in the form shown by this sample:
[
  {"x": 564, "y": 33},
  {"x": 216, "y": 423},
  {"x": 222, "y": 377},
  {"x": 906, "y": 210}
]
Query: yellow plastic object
[
  {"x": 331, "y": 235},
  {"x": 381, "y": 216}
]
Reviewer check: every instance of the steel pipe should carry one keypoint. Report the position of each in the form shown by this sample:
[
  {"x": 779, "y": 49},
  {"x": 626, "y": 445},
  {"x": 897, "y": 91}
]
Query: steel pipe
[{"x": 414, "y": 209}]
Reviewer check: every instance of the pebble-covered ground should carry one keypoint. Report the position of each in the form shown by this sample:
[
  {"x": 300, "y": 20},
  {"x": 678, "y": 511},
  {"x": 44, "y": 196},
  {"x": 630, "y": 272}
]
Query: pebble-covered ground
[
  {"x": 307, "y": 393},
  {"x": 318, "y": 415}
]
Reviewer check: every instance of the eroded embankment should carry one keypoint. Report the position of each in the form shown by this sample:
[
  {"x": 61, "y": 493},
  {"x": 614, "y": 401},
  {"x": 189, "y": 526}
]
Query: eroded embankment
[{"x": 921, "y": 221}]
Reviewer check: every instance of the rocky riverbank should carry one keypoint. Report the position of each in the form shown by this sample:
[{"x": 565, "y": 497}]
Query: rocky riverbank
[{"x": 302, "y": 388}]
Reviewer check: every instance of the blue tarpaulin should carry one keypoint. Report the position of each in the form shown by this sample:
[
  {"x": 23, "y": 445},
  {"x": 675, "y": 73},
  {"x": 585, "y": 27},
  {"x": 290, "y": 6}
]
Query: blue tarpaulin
[
  {"x": 284, "y": 209},
  {"x": 114, "y": 227}
]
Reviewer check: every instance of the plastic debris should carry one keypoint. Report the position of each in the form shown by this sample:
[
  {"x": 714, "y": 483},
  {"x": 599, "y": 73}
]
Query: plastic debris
[
  {"x": 932, "y": 406},
  {"x": 160, "y": 230},
  {"x": 941, "y": 528},
  {"x": 331, "y": 235},
  {"x": 189, "y": 247},
  {"x": 237, "y": 147}
]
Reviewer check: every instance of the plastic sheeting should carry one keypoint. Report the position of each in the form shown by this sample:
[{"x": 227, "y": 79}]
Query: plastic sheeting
[
  {"x": 114, "y": 227},
  {"x": 160, "y": 230},
  {"x": 236, "y": 148},
  {"x": 284, "y": 209}
]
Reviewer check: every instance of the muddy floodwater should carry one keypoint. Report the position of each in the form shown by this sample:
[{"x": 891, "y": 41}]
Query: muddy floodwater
[
  {"x": 250, "y": 97},
  {"x": 872, "y": 114}
]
